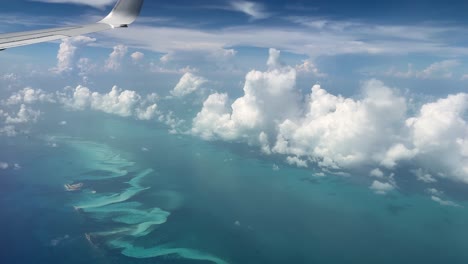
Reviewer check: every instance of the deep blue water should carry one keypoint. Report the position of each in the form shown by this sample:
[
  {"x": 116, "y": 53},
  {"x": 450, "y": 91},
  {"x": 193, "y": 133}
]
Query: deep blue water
[{"x": 207, "y": 202}]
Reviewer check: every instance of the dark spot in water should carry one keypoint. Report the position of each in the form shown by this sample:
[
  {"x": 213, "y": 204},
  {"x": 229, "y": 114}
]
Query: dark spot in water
[
  {"x": 310, "y": 180},
  {"x": 98, "y": 173},
  {"x": 395, "y": 209}
]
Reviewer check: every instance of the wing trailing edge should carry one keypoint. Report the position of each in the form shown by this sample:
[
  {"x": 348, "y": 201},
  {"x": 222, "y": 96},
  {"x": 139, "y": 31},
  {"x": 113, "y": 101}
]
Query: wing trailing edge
[{"x": 123, "y": 14}]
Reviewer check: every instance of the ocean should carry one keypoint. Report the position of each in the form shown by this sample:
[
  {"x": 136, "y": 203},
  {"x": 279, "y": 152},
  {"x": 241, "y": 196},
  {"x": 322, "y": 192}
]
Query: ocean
[{"x": 149, "y": 196}]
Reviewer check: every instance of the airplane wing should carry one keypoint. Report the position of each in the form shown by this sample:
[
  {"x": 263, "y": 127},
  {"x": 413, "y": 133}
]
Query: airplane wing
[{"x": 124, "y": 13}]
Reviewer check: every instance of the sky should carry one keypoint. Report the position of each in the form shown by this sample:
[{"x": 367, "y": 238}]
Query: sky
[{"x": 374, "y": 87}]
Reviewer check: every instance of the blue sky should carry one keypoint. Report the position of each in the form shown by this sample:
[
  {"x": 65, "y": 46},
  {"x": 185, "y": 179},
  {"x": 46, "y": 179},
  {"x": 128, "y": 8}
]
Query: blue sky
[
  {"x": 347, "y": 41},
  {"x": 389, "y": 79}
]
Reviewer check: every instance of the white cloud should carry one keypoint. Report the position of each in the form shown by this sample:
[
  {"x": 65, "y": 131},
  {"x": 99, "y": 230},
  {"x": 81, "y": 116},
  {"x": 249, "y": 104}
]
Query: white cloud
[
  {"x": 320, "y": 174},
  {"x": 212, "y": 60},
  {"x": 435, "y": 192},
  {"x": 275, "y": 167},
  {"x": 113, "y": 63},
  {"x": 440, "y": 136},
  {"x": 137, "y": 56},
  {"x": 213, "y": 120},
  {"x": 29, "y": 96},
  {"x": 8, "y": 131},
  {"x": 376, "y": 173},
  {"x": 297, "y": 162},
  {"x": 4, "y": 165},
  {"x": 252, "y": 9},
  {"x": 308, "y": 66},
  {"x": 423, "y": 177},
  {"x": 438, "y": 70},
  {"x": 254, "y": 113},
  {"x": 85, "y": 67},
  {"x": 148, "y": 113},
  {"x": 274, "y": 61},
  {"x": 382, "y": 188},
  {"x": 153, "y": 67},
  {"x": 334, "y": 38},
  {"x": 339, "y": 133},
  {"x": 173, "y": 122},
  {"x": 24, "y": 115},
  {"x": 444, "y": 202},
  {"x": 397, "y": 153},
  {"x": 264, "y": 143},
  {"x": 94, "y": 3},
  {"x": 188, "y": 84},
  {"x": 119, "y": 102},
  {"x": 66, "y": 53}
]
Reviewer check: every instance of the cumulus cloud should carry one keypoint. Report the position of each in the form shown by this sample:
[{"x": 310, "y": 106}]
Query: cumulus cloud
[
  {"x": 125, "y": 103},
  {"x": 397, "y": 153},
  {"x": 9, "y": 131},
  {"x": 66, "y": 53},
  {"x": 188, "y": 84},
  {"x": 94, "y": 3},
  {"x": 297, "y": 161},
  {"x": 172, "y": 121},
  {"x": 377, "y": 173},
  {"x": 11, "y": 77},
  {"x": 24, "y": 115},
  {"x": 29, "y": 95},
  {"x": 381, "y": 187},
  {"x": 119, "y": 102},
  {"x": 339, "y": 133},
  {"x": 439, "y": 134},
  {"x": 255, "y": 112},
  {"x": 85, "y": 67},
  {"x": 309, "y": 67},
  {"x": 113, "y": 63},
  {"x": 137, "y": 56}
]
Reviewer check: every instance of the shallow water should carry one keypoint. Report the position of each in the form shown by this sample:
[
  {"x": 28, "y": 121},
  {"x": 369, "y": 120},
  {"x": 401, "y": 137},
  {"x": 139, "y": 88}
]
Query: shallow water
[{"x": 189, "y": 201}]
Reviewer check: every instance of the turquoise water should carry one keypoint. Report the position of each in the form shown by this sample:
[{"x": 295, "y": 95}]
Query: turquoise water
[{"x": 152, "y": 197}]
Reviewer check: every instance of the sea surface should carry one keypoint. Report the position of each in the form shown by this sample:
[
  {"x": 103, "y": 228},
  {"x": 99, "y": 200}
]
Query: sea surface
[{"x": 150, "y": 196}]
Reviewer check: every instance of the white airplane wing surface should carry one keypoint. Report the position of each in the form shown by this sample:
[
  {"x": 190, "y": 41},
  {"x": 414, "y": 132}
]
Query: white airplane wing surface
[{"x": 124, "y": 13}]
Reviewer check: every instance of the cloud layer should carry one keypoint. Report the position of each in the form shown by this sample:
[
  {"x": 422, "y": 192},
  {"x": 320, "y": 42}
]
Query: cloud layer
[
  {"x": 252, "y": 9},
  {"x": 125, "y": 103},
  {"x": 94, "y": 3},
  {"x": 303, "y": 35},
  {"x": 373, "y": 131}
]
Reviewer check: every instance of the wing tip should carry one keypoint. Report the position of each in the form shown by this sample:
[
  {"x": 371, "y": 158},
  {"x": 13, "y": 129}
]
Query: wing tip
[{"x": 124, "y": 13}]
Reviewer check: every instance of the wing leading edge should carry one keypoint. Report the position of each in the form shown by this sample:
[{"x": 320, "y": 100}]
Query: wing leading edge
[{"x": 124, "y": 13}]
